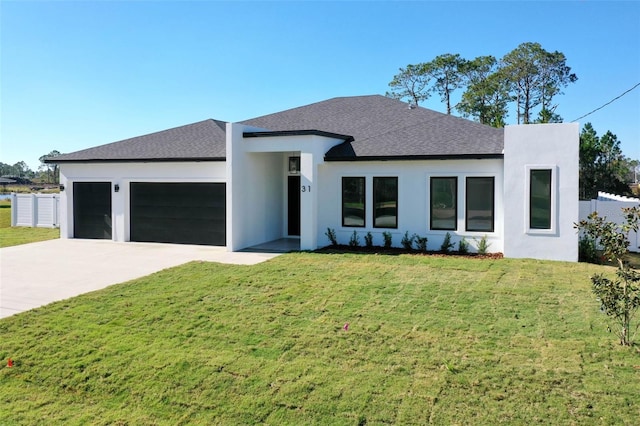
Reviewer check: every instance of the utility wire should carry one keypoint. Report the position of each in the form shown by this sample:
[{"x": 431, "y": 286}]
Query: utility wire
[{"x": 611, "y": 101}]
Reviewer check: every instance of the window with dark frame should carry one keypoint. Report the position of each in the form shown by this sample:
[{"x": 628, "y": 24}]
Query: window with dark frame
[
  {"x": 385, "y": 202},
  {"x": 540, "y": 199},
  {"x": 479, "y": 204},
  {"x": 353, "y": 202},
  {"x": 443, "y": 206}
]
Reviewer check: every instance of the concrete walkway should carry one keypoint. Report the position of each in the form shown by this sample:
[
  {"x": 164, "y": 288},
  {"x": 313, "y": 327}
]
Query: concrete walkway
[{"x": 33, "y": 275}]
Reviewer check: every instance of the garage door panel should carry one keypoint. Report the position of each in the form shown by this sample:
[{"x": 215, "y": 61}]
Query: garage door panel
[
  {"x": 187, "y": 213},
  {"x": 92, "y": 210}
]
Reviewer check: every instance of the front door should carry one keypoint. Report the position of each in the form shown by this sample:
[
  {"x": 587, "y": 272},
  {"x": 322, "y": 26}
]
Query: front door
[{"x": 294, "y": 205}]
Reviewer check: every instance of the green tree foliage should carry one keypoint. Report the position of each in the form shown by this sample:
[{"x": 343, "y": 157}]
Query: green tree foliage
[
  {"x": 448, "y": 73},
  {"x": 535, "y": 76},
  {"x": 486, "y": 96},
  {"x": 529, "y": 75},
  {"x": 411, "y": 83},
  {"x": 20, "y": 169},
  {"x": 619, "y": 298},
  {"x": 602, "y": 165},
  {"x": 50, "y": 169}
]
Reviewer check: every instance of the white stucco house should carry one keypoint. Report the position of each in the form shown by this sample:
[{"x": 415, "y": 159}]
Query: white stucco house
[{"x": 364, "y": 164}]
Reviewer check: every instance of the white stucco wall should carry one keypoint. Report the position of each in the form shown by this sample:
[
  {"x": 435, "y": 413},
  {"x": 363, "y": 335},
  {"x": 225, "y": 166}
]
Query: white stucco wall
[
  {"x": 413, "y": 199},
  {"x": 552, "y": 146},
  {"x": 256, "y": 192},
  {"x": 123, "y": 174}
]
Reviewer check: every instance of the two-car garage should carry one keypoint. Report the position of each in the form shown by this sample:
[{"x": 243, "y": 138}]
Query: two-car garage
[{"x": 173, "y": 212}]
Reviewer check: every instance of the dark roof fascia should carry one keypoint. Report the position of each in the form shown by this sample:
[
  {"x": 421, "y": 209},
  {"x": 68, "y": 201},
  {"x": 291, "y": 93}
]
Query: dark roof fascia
[
  {"x": 419, "y": 157},
  {"x": 269, "y": 134},
  {"x": 141, "y": 160}
]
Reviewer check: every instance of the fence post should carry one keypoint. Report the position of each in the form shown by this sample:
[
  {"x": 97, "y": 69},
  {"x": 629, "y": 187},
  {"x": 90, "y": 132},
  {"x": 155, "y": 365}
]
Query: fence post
[
  {"x": 56, "y": 203},
  {"x": 14, "y": 209},
  {"x": 34, "y": 210}
]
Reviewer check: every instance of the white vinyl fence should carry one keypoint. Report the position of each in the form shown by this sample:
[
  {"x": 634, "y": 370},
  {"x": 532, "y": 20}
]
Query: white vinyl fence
[
  {"x": 35, "y": 210},
  {"x": 610, "y": 205}
]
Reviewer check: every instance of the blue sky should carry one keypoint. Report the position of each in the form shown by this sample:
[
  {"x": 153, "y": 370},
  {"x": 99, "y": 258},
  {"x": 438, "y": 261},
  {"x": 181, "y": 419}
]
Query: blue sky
[{"x": 79, "y": 74}]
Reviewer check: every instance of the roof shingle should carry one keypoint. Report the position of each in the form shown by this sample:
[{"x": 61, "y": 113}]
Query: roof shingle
[
  {"x": 204, "y": 140},
  {"x": 385, "y": 127},
  {"x": 380, "y": 127}
]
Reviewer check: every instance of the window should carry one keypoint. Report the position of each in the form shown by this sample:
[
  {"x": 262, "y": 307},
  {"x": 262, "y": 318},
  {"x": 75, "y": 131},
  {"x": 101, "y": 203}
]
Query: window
[
  {"x": 443, "y": 213},
  {"x": 479, "y": 204},
  {"x": 540, "y": 199},
  {"x": 385, "y": 202},
  {"x": 353, "y": 201}
]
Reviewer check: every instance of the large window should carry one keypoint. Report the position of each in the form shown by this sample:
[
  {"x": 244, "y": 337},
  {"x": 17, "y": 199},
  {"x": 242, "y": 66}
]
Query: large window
[
  {"x": 385, "y": 202},
  {"x": 540, "y": 199},
  {"x": 480, "y": 204},
  {"x": 353, "y": 201},
  {"x": 443, "y": 212}
]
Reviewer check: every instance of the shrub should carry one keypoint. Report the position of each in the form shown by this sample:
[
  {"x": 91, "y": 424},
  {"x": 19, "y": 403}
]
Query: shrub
[
  {"x": 463, "y": 246},
  {"x": 619, "y": 298},
  {"x": 407, "y": 241},
  {"x": 368, "y": 240},
  {"x": 354, "y": 241},
  {"x": 331, "y": 235},
  {"x": 483, "y": 245},
  {"x": 587, "y": 250},
  {"x": 447, "y": 245},
  {"x": 386, "y": 235},
  {"x": 421, "y": 243}
]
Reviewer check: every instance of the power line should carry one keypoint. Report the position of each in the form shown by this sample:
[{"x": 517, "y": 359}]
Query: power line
[{"x": 611, "y": 101}]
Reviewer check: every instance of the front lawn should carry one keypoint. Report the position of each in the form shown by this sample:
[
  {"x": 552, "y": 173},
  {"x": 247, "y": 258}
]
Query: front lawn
[
  {"x": 430, "y": 340},
  {"x": 21, "y": 235}
]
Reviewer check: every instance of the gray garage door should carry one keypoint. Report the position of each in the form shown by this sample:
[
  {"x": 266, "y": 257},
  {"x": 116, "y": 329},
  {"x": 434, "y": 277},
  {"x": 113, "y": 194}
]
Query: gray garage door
[
  {"x": 92, "y": 210},
  {"x": 183, "y": 213}
]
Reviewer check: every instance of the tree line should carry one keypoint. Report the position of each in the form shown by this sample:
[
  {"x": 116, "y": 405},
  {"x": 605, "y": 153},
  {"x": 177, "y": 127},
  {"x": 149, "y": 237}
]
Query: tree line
[
  {"x": 528, "y": 76},
  {"x": 46, "y": 173},
  {"x": 603, "y": 166}
]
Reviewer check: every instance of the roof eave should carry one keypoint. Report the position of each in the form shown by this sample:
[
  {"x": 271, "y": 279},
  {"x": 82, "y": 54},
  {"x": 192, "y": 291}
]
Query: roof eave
[
  {"x": 417, "y": 157},
  {"x": 138, "y": 160},
  {"x": 277, "y": 133}
]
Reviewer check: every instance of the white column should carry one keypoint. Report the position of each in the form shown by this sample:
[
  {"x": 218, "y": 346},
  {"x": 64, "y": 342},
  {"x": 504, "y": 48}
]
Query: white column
[{"x": 308, "y": 201}]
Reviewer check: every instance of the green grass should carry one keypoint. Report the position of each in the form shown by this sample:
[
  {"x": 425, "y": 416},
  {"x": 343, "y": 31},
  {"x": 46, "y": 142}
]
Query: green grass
[
  {"x": 21, "y": 235},
  {"x": 431, "y": 340}
]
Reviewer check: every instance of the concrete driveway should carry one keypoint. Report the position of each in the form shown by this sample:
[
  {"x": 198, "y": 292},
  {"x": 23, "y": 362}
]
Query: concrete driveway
[{"x": 33, "y": 275}]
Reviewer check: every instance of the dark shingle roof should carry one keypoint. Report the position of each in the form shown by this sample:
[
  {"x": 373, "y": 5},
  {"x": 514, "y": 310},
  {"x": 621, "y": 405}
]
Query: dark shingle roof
[
  {"x": 387, "y": 128},
  {"x": 204, "y": 140},
  {"x": 373, "y": 127}
]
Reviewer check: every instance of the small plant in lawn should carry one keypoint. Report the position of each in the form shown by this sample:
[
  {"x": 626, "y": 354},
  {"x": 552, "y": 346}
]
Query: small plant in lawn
[
  {"x": 354, "y": 241},
  {"x": 482, "y": 245},
  {"x": 368, "y": 240},
  {"x": 463, "y": 246},
  {"x": 331, "y": 235},
  {"x": 386, "y": 235},
  {"x": 407, "y": 241},
  {"x": 421, "y": 243},
  {"x": 619, "y": 298},
  {"x": 447, "y": 245}
]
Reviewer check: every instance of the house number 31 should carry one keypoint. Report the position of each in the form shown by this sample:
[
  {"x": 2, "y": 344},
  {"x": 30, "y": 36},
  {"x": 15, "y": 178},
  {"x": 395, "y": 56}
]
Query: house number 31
[{"x": 306, "y": 188}]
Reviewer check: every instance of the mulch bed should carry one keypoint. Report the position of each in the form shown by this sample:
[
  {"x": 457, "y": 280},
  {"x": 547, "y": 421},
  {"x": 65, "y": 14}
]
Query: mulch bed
[{"x": 396, "y": 251}]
